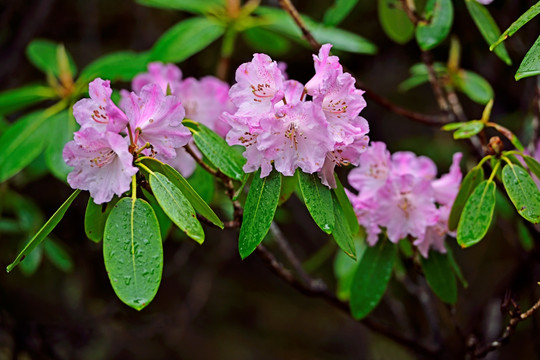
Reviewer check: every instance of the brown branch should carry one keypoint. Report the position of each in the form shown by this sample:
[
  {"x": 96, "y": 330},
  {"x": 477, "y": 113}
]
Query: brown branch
[
  {"x": 317, "y": 288},
  {"x": 515, "y": 319},
  {"x": 289, "y": 7}
]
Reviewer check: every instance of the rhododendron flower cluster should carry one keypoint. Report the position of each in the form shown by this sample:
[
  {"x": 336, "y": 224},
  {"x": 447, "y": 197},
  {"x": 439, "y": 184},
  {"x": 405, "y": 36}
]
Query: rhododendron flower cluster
[
  {"x": 204, "y": 100},
  {"x": 278, "y": 125},
  {"x": 401, "y": 194},
  {"x": 102, "y": 152}
]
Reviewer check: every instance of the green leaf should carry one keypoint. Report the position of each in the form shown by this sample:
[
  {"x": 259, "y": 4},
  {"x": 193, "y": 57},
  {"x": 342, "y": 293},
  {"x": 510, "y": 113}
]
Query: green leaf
[
  {"x": 525, "y": 237},
  {"x": 395, "y": 23},
  {"x": 281, "y": 22},
  {"x": 533, "y": 165},
  {"x": 477, "y": 214},
  {"x": 64, "y": 126},
  {"x": 95, "y": 218},
  {"x": 133, "y": 252},
  {"x": 346, "y": 206},
  {"x": 22, "y": 143},
  {"x": 32, "y": 261},
  {"x": 203, "y": 183},
  {"x": 372, "y": 276},
  {"x": 516, "y": 25},
  {"x": 342, "y": 232},
  {"x": 469, "y": 183},
  {"x": 530, "y": 65},
  {"x": 288, "y": 185},
  {"x": 215, "y": 149},
  {"x": 176, "y": 206},
  {"x": 469, "y": 129},
  {"x": 19, "y": 98},
  {"x": 455, "y": 267},
  {"x": 58, "y": 255},
  {"x": 266, "y": 41},
  {"x": 192, "y": 6},
  {"x": 439, "y": 15},
  {"x": 43, "y": 54},
  {"x": 259, "y": 210},
  {"x": 474, "y": 86},
  {"x": 165, "y": 223},
  {"x": 185, "y": 39},
  {"x": 413, "y": 82},
  {"x": 344, "y": 270},
  {"x": 522, "y": 191},
  {"x": 318, "y": 200},
  {"x": 439, "y": 276},
  {"x": 452, "y": 126},
  {"x": 338, "y": 11},
  {"x": 117, "y": 66},
  {"x": 488, "y": 27},
  {"x": 44, "y": 231},
  {"x": 181, "y": 183}
]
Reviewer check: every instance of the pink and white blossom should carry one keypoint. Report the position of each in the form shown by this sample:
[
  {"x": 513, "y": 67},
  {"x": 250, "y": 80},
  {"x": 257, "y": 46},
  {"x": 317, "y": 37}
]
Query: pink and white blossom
[
  {"x": 165, "y": 75},
  {"x": 102, "y": 164}
]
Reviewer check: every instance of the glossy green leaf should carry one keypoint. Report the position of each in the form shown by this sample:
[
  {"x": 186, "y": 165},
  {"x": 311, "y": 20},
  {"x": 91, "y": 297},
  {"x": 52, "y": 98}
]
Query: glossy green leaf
[
  {"x": 181, "y": 183},
  {"x": 516, "y": 25},
  {"x": 203, "y": 182},
  {"x": 455, "y": 267},
  {"x": 64, "y": 126},
  {"x": 371, "y": 278},
  {"x": 44, "y": 55},
  {"x": 342, "y": 232},
  {"x": 345, "y": 268},
  {"x": 522, "y": 191},
  {"x": 133, "y": 252},
  {"x": 469, "y": 183},
  {"x": 31, "y": 263},
  {"x": 95, "y": 218},
  {"x": 530, "y": 65},
  {"x": 318, "y": 200},
  {"x": 19, "y": 98},
  {"x": 477, "y": 214},
  {"x": 488, "y": 28},
  {"x": 44, "y": 231},
  {"x": 281, "y": 22},
  {"x": 525, "y": 237},
  {"x": 439, "y": 276},
  {"x": 288, "y": 185},
  {"x": 117, "y": 66},
  {"x": 468, "y": 129},
  {"x": 192, "y": 6},
  {"x": 533, "y": 165},
  {"x": 259, "y": 210},
  {"x": 22, "y": 143},
  {"x": 176, "y": 206},
  {"x": 58, "y": 255},
  {"x": 395, "y": 23},
  {"x": 338, "y": 11},
  {"x": 439, "y": 15},
  {"x": 413, "y": 82},
  {"x": 215, "y": 149},
  {"x": 346, "y": 206},
  {"x": 452, "y": 126},
  {"x": 165, "y": 223},
  {"x": 185, "y": 39},
  {"x": 474, "y": 86},
  {"x": 266, "y": 41}
]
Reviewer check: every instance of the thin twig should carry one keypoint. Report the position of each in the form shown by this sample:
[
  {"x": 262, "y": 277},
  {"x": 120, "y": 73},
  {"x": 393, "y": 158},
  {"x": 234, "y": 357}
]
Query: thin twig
[
  {"x": 516, "y": 318},
  {"x": 289, "y": 7}
]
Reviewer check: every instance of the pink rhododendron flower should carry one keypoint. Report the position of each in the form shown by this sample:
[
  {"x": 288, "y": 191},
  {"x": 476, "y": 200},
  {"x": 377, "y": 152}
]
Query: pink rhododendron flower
[
  {"x": 101, "y": 164},
  {"x": 259, "y": 85},
  {"x": 157, "y": 119},
  {"x": 99, "y": 112},
  {"x": 400, "y": 194},
  {"x": 279, "y": 126},
  {"x": 165, "y": 75}
]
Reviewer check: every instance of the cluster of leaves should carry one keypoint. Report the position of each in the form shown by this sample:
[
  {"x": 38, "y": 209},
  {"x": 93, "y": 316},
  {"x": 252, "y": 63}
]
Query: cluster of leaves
[{"x": 132, "y": 228}]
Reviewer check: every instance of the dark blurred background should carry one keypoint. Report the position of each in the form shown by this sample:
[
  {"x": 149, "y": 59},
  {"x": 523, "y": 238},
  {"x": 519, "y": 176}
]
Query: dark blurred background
[{"x": 212, "y": 305}]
